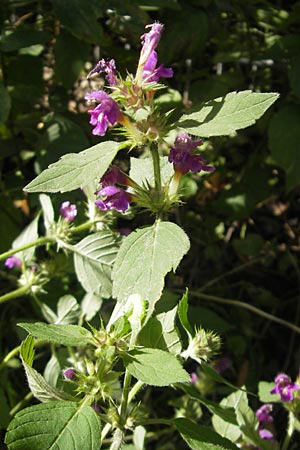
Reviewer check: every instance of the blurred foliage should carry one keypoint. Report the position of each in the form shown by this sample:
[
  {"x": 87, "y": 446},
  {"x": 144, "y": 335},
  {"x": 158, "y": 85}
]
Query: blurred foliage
[{"x": 244, "y": 218}]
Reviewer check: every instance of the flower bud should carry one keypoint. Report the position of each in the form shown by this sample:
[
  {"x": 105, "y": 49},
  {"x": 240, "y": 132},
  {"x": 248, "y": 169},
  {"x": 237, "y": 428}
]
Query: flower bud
[{"x": 203, "y": 346}]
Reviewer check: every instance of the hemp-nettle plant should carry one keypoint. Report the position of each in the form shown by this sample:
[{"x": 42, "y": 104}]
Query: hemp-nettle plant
[{"x": 129, "y": 334}]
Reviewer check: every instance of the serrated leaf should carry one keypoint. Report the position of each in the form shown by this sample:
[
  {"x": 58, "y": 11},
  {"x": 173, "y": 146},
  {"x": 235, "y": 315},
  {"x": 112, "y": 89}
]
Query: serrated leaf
[
  {"x": 248, "y": 424},
  {"x": 183, "y": 316},
  {"x": 160, "y": 332},
  {"x": 201, "y": 438},
  {"x": 37, "y": 384},
  {"x": 223, "y": 411},
  {"x": 225, "y": 115},
  {"x": 155, "y": 367},
  {"x": 75, "y": 170},
  {"x": 93, "y": 261},
  {"x": 222, "y": 426},
  {"x": 48, "y": 211},
  {"x": 67, "y": 310},
  {"x": 29, "y": 234},
  {"x": 145, "y": 257},
  {"x": 90, "y": 305},
  {"x": 54, "y": 426},
  {"x": 69, "y": 335}
]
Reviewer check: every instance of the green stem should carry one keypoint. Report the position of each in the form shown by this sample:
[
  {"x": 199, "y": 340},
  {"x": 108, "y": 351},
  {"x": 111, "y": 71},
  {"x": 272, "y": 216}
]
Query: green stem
[
  {"x": 15, "y": 351},
  {"x": 289, "y": 431},
  {"x": 21, "y": 404},
  {"x": 125, "y": 396},
  {"x": 135, "y": 389},
  {"x": 39, "y": 241},
  {"x": 156, "y": 168},
  {"x": 14, "y": 294},
  {"x": 239, "y": 304}
]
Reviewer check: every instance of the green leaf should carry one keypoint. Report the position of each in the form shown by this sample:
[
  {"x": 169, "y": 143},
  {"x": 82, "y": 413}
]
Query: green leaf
[
  {"x": 145, "y": 257},
  {"x": 67, "y": 310},
  {"x": 81, "y": 21},
  {"x": 93, "y": 259},
  {"x": 221, "y": 425},
  {"x": 90, "y": 305},
  {"x": 48, "y": 211},
  {"x": 54, "y": 425},
  {"x": 37, "y": 384},
  {"x": 225, "y": 115},
  {"x": 264, "y": 392},
  {"x": 284, "y": 138},
  {"x": 5, "y": 103},
  {"x": 69, "y": 335},
  {"x": 141, "y": 170},
  {"x": 22, "y": 38},
  {"x": 29, "y": 234},
  {"x": 155, "y": 367},
  {"x": 224, "y": 411},
  {"x": 71, "y": 55},
  {"x": 75, "y": 170},
  {"x": 202, "y": 438},
  {"x": 183, "y": 316},
  {"x": 160, "y": 332},
  {"x": 248, "y": 424}
]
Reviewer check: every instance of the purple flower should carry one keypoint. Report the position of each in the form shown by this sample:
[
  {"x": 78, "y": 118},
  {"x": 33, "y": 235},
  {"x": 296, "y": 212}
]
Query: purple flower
[
  {"x": 263, "y": 414},
  {"x": 193, "y": 378},
  {"x": 70, "y": 373},
  {"x": 182, "y": 157},
  {"x": 113, "y": 198},
  {"x": 105, "y": 114},
  {"x": 109, "y": 68},
  {"x": 265, "y": 434},
  {"x": 150, "y": 41},
  {"x": 12, "y": 261},
  {"x": 151, "y": 73},
  {"x": 113, "y": 176},
  {"x": 68, "y": 211},
  {"x": 284, "y": 387}
]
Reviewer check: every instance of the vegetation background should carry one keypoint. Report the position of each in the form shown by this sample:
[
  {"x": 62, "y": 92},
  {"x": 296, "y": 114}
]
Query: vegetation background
[{"x": 243, "y": 220}]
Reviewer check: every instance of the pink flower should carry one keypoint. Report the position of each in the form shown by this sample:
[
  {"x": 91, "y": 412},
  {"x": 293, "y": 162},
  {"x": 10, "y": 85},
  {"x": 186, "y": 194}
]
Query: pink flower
[
  {"x": 109, "y": 68},
  {"x": 113, "y": 198},
  {"x": 150, "y": 41},
  {"x": 151, "y": 73},
  {"x": 284, "y": 387},
  {"x": 68, "y": 211},
  {"x": 12, "y": 261},
  {"x": 182, "y": 157},
  {"x": 105, "y": 114}
]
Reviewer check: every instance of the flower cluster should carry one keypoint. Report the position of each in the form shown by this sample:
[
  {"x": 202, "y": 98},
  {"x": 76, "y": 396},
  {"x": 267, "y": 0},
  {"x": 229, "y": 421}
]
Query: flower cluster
[
  {"x": 111, "y": 196},
  {"x": 108, "y": 112},
  {"x": 284, "y": 387},
  {"x": 263, "y": 415}
]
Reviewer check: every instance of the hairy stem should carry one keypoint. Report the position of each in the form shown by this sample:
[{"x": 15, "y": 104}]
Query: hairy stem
[
  {"x": 14, "y": 294},
  {"x": 156, "y": 168},
  {"x": 37, "y": 242},
  {"x": 290, "y": 431}
]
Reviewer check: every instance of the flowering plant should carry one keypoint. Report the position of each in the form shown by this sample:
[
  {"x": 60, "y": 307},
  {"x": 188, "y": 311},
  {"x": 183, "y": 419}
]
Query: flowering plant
[{"x": 89, "y": 394}]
